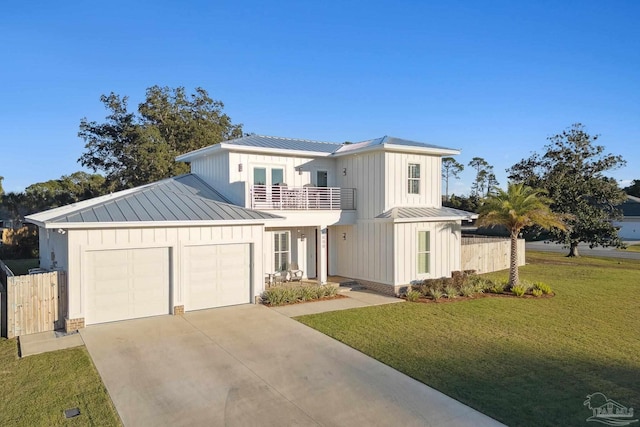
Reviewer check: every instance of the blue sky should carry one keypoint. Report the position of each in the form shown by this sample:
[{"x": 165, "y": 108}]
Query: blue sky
[{"x": 493, "y": 78}]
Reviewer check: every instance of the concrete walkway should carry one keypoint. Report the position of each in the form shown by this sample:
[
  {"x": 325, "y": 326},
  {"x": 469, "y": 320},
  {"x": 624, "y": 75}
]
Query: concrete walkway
[
  {"x": 356, "y": 299},
  {"x": 44, "y": 342},
  {"x": 251, "y": 365}
]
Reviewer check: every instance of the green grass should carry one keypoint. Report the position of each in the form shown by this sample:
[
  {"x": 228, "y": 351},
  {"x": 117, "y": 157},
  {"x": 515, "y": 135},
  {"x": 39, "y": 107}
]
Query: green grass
[
  {"x": 633, "y": 248},
  {"x": 525, "y": 362},
  {"x": 21, "y": 266},
  {"x": 37, "y": 389}
]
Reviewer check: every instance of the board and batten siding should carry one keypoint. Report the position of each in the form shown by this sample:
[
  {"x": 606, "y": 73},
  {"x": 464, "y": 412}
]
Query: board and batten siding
[
  {"x": 444, "y": 254},
  {"x": 366, "y": 173},
  {"x": 397, "y": 170},
  {"x": 82, "y": 241},
  {"x": 214, "y": 170},
  {"x": 222, "y": 172},
  {"x": 363, "y": 251}
]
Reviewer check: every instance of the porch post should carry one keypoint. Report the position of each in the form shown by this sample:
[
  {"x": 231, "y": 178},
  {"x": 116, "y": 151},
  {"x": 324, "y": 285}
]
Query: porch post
[{"x": 321, "y": 254}]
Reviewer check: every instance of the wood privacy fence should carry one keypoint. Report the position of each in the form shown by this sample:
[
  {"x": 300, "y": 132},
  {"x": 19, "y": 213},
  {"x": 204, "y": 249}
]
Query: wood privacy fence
[
  {"x": 32, "y": 303},
  {"x": 487, "y": 254}
]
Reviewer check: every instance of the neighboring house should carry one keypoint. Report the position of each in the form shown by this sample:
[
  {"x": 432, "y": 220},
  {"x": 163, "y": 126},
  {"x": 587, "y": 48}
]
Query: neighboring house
[
  {"x": 369, "y": 211},
  {"x": 630, "y": 222}
]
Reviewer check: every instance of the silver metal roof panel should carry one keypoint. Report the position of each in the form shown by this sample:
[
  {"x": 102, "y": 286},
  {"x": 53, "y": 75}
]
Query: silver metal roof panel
[{"x": 181, "y": 198}]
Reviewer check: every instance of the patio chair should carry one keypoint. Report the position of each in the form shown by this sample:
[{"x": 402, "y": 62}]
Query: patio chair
[
  {"x": 279, "y": 277},
  {"x": 295, "y": 272}
]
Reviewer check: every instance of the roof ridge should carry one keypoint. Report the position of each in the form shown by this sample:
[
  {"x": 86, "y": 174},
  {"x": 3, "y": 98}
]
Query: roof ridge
[{"x": 296, "y": 139}]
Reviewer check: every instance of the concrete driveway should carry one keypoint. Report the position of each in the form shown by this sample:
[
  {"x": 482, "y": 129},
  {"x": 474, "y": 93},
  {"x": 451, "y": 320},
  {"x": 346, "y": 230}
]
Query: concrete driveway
[{"x": 249, "y": 365}]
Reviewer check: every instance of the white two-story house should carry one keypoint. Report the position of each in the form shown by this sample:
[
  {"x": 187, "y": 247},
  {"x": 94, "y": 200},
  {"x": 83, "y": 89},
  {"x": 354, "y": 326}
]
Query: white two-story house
[{"x": 369, "y": 211}]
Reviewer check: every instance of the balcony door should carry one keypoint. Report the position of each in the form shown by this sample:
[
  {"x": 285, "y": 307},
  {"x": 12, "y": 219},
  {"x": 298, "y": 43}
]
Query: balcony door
[
  {"x": 321, "y": 179},
  {"x": 267, "y": 185}
]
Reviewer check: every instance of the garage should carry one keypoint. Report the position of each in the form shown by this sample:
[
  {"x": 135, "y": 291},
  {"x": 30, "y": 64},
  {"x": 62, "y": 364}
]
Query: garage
[
  {"x": 217, "y": 275},
  {"x": 162, "y": 248},
  {"x": 127, "y": 284}
]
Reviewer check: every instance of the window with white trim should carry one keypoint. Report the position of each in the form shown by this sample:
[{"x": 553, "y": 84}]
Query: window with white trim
[
  {"x": 424, "y": 252},
  {"x": 280, "y": 250},
  {"x": 413, "y": 183}
]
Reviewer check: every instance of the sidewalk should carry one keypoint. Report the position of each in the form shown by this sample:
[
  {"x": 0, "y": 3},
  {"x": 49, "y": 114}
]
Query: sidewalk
[{"x": 44, "y": 342}]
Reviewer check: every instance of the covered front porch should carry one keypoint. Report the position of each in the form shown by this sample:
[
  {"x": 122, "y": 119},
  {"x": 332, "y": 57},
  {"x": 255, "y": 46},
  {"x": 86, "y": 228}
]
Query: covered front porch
[{"x": 297, "y": 254}]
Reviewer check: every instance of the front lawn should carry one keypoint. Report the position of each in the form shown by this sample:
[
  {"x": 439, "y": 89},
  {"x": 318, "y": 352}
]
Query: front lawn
[
  {"x": 37, "y": 389},
  {"x": 525, "y": 362}
]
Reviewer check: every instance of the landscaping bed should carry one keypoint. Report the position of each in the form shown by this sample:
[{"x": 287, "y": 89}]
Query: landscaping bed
[
  {"x": 467, "y": 285},
  {"x": 296, "y": 294}
]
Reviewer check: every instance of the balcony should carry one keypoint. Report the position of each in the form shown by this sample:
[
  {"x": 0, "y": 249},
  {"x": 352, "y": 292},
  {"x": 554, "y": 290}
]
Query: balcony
[{"x": 277, "y": 197}]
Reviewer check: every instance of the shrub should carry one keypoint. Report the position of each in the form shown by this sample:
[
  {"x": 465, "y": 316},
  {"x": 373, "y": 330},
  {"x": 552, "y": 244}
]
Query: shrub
[
  {"x": 413, "y": 295},
  {"x": 546, "y": 289},
  {"x": 467, "y": 290},
  {"x": 281, "y": 295},
  {"x": 519, "y": 290},
  {"x": 451, "y": 291},
  {"x": 536, "y": 292},
  {"x": 435, "y": 294},
  {"x": 431, "y": 284},
  {"x": 497, "y": 287}
]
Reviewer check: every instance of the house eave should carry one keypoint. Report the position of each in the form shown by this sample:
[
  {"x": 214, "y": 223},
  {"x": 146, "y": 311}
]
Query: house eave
[
  {"x": 203, "y": 152},
  {"x": 399, "y": 149},
  {"x": 149, "y": 224}
]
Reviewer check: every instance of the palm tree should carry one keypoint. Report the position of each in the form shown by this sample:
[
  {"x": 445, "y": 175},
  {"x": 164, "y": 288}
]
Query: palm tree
[{"x": 518, "y": 207}]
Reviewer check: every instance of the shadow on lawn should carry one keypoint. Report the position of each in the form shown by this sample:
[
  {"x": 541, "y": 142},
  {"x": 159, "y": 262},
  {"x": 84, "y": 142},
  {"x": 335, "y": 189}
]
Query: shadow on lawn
[{"x": 524, "y": 390}]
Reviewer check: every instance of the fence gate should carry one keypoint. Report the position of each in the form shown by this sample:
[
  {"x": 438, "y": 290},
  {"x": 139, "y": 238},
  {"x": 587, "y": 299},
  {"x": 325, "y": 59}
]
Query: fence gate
[{"x": 34, "y": 303}]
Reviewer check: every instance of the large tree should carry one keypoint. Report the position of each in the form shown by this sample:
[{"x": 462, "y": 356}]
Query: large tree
[
  {"x": 518, "y": 207},
  {"x": 450, "y": 169},
  {"x": 137, "y": 148},
  {"x": 485, "y": 177},
  {"x": 571, "y": 171}
]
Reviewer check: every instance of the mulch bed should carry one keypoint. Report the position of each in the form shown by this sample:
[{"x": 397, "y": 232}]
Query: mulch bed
[
  {"x": 337, "y": 296},
  {"x": 444, "y": 300}
]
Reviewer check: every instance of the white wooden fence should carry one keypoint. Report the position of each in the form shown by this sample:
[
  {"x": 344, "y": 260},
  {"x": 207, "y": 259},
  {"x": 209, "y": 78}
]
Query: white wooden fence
[
  {"x": 32, "y": 303},
  {"x": 487, "y": 254}
]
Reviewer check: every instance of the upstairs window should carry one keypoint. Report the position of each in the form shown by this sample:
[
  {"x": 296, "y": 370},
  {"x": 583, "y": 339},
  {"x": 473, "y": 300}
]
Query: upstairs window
[
  {"x": 423, "y": 252},
  {"x": 413, "y": 184}
]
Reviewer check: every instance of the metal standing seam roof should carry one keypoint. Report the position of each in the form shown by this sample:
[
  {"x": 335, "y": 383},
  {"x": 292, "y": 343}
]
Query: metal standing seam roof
[
  {"x": 426, "y": 213},
  {"x": 261, "y": 141},
  {"x": 390, "y": 140},
  {"x": 305, "y": 145},
  {"x": 181, "y": 198}
]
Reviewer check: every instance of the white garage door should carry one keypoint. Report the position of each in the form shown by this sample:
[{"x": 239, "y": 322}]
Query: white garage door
[
  {"x": 217, "y": 275},
  {"x": 127, "y": 284}
]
